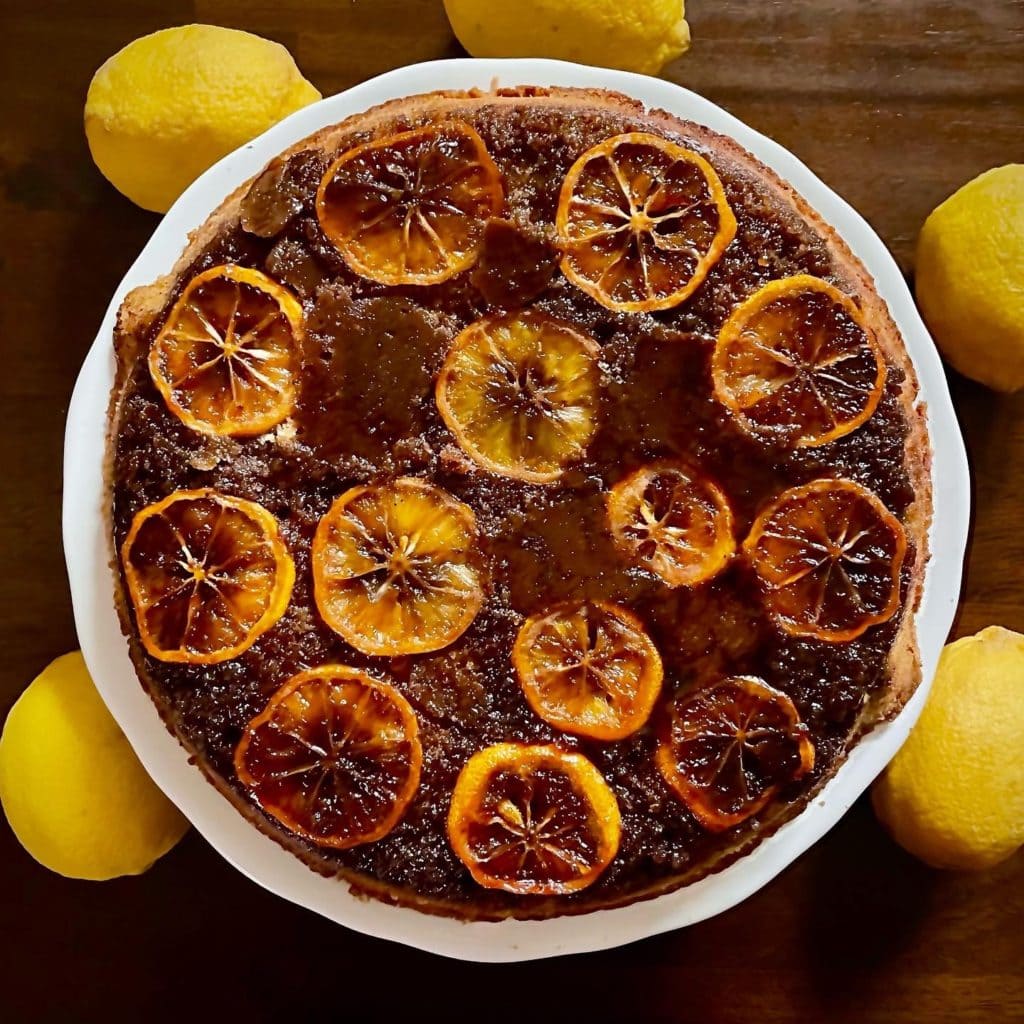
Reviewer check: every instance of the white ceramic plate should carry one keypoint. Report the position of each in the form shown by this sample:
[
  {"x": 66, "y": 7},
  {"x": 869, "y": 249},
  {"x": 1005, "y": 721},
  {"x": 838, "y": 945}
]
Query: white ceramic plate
[{"x": 88, "y": 552}]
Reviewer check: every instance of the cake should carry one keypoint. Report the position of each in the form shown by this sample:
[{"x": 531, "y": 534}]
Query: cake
[{"x": 518, "y": 501}]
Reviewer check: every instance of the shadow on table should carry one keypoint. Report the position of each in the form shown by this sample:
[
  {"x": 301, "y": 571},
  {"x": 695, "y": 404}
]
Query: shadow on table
[{"x": 863, "y": 901}]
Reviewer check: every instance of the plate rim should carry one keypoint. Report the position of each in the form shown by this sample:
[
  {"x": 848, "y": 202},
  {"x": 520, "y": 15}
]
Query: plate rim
[{"x": 258, "y": 856}]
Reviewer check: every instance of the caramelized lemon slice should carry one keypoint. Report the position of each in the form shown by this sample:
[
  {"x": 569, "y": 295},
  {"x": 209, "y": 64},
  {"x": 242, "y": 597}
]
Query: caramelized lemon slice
[
  {"x": 225, "y": 360},
  {"x": 335, "y": 756},
  {"x": 828, "y": 555},
  {"x": 588, "y": 668},
  {"x": 207, "y": 573},
  {"x": 796, "y": 361},
  {"x": 397, "y": 568},
  {"x": 521, "y": 394},
  {"x": 729, "y": 749},
  {"x": 641, "y": 221},
  {"x": 533, "y": 820},
  {"x": 676, "y": 523},
  {"x": 411, "y": 208}
]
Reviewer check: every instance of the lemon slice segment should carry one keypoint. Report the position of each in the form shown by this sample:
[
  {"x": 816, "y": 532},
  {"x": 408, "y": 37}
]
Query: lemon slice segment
[
  {"x": 226, "y": 359},
  {"x": 397, "y": 567},
  {"x": 521, "y": 394}
]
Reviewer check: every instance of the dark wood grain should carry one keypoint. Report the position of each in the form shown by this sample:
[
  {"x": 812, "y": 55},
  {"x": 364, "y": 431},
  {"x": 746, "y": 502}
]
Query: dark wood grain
[{"x": 894, "y": 103}]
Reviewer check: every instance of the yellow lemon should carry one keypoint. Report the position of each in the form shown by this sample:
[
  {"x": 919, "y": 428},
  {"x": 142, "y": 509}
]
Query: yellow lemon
[
  {"x": 72, "y": 788},
  {"x": 171, "y": 104},
  {"x": 969, "y": 277},
  {"x": 634, "y": 35},
  {"x": 954, "y": 794}
]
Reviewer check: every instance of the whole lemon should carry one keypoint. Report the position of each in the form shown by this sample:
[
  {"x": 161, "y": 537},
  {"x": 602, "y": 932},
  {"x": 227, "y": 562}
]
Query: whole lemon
[
  {"x": 171, "y": 104},
  {"x": 633, "y": 35},
  {"x": 72, "y": 788},
  {"x": 969, "y": 277},
  {"x": 954, "y": 794}
]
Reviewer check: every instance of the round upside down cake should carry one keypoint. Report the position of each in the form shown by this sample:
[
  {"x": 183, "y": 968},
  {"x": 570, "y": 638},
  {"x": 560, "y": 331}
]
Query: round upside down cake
[{"x": 519, "y": 501}]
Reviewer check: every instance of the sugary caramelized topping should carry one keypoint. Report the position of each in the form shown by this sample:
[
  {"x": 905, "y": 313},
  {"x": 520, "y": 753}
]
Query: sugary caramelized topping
[
  {"x": 730, "y": 747},
  {"x": 668, "y": 518},
  {"x": 208, "y": 574},
  {"x": 225, "y": 360},
  {"x": 335, "y": 756},
  {"x": 397, "y": 568},
  {"x": 271, "y": 202},
  {"x": 828, "y": 555},
  {"x": 517, "y": 262},
  {"x": 521, "y": 394},
  {"x": 641, "y": 221},
  {"x": 796, "y": 362},
  {"x": 411, "y": 208},
  {"x": 533, "y": 820},
  {"x": 588, "y": 668}
]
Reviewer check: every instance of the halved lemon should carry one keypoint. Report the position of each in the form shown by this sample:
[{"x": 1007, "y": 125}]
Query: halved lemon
[
  {"x": 641, "y": 221},
  {"x": 397, "y": 567},
  {"x": 796, "y": 361},
  {"x": 335, "y": 756},
  {"x": 208, "y": 574},
  {"x": 521, "y": 394},
  {"x": 411, "y": 208},
  {"x": 225, "y": 360},
  {"x": 730, "y": 747},
  {"x": 828, "y": 555},
  {"x": 588, "y": 668},
  {"x": 675, "y": 522},
  {"x": 533, "y": 820}
]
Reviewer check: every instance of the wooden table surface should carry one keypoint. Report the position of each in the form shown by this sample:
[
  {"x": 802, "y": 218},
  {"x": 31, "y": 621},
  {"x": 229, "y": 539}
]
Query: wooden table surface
[{"x": 894, "y": 103}]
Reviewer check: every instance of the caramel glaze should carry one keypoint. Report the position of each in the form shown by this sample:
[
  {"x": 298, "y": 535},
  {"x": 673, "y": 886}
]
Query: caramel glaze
[{"x": 367, "y": 411}]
